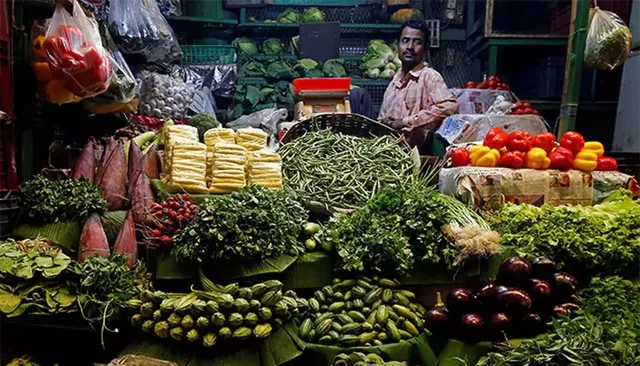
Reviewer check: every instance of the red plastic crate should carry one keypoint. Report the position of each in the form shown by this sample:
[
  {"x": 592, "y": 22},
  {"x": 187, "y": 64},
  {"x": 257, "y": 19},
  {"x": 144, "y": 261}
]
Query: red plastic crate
[{"x": 321, "y": 84}]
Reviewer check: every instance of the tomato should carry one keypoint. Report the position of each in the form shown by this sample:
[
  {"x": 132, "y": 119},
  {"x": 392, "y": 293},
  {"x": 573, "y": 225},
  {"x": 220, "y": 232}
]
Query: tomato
[
  {"x": 482, "y": 85},
  {"x": 470, "y": 85},
  {"x": 526, "y": 105},
  {"x": 518, "y": 111},
  {"x": 491, "y": 78},
  {"x": 528, "y": 110},
  {"x": 535, "y": 111},
  {"x": 506, "y": 86},
  {"x": 493, "y": 85},
  {"x": 497, "y": 79}
]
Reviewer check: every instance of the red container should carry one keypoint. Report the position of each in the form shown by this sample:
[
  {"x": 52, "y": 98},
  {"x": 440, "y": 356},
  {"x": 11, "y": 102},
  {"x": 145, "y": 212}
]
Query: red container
[{"x": 321, "y": 84}]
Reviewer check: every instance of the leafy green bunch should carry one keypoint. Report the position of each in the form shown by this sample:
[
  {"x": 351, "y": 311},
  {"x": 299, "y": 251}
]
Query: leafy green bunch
[
  {"x": 606, "y": 332},
  {"x": 605, "y": 237},
  {"x": 252, "y": 223},
  {"x": 395, "y": 228},
  {"x": 62, "y": 200}
]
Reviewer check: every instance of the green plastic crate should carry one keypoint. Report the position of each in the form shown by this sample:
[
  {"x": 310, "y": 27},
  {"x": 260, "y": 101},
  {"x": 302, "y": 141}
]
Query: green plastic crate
[
  {"x": 208, "y": 55},
  {"x": 207, "y": 9}
]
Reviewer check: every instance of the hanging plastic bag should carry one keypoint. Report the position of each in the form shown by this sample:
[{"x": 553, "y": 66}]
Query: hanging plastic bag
[
  {"x": 121, "y": 96},
  {"x": 139, "y": 29},
  {"x": 74, "y": 51},
  {"x": 165, "y": 97},
  {"x": 608, "y": 41}
]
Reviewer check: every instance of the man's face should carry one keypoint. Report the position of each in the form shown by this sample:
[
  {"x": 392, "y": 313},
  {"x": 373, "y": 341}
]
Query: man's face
[{"x": 411, "y": 46}]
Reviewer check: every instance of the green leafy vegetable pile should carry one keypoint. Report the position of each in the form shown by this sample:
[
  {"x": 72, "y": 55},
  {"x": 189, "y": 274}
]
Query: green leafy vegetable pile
[
  {"x": 380, "y": 61},
  {"x": 273, "y": 46},
  {"x": 605, "y": 237},
  {"x": 606, "y": 332},
  {"x": 62, "y": 200},
  {"x": 245, "y": 45},
  {"x": 405, "y": 224},
  {"x": 252, "y": 223},
  {"x": 249, "y": 99},
  {"x": 608, "y": 40}
]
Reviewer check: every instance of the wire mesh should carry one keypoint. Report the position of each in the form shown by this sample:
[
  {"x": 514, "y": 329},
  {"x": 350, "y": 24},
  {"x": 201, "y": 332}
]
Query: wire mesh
[
  {"x": 452, "y": 61},
  {"x": 356, "y": 14}
]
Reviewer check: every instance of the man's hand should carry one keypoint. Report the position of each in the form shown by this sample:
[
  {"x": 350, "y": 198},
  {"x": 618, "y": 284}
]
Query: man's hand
[
  {"x": 386, "y": 121},
  {"x": 398, "y": 124}
]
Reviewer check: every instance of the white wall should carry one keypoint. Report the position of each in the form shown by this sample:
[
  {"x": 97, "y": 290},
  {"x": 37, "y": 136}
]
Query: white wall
[{"x": 626, "y": 137}]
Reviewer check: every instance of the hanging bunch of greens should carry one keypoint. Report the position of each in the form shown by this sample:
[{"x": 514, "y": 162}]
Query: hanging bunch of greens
[
  {"x": 252, "y": 223},
  {"x": 62, "y": 200}
]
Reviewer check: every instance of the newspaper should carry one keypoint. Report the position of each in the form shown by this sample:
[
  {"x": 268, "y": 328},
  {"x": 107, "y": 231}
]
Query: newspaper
[
  {"x": 478, "y": 101},
  {"x": 490, "y": 188},
  {"x": 461, "y": 128}
]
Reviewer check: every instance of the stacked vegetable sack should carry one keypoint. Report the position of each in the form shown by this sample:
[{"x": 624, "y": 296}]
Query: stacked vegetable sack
[{"x": 224, "y": 313}]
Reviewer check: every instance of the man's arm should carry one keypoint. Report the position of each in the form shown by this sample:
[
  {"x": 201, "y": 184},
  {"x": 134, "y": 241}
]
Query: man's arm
[
  {"x": 444, "y": 103},
  {"x": 385, "y": 108}
]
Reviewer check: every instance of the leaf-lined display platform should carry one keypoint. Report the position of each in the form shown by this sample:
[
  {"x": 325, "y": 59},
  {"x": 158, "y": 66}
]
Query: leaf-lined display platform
[
  {"x": 279, "y": 348},
  {"x": 65, "y": 235}
]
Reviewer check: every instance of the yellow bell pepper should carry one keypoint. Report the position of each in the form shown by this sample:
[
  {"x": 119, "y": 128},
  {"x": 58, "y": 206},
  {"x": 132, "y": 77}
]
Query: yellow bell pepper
[
  {"x": 595, "y": 147},
  {"x": 484, "y": 156},
  {"x": 585, "y": 160},
  {"x": 55, "y": 92},
  {"x": 37, "y": 51},
  {"x": 536, "y": 158}
]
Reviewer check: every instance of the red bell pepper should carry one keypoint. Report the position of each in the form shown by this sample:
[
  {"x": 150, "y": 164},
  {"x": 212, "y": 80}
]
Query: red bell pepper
[
  {"x": 512, "y": 159},
  {"x": 572, "y": 141},
  {"x": 496, "y": 138},
  {"x": 460, "y": 157},
  {"x": 607, "y": 163},
  {"x": 519, "y": 141},
  {"x": 561, "y": 158},
  {"x": 546, "y": 141},
  {"x": 73, "y": 35}
]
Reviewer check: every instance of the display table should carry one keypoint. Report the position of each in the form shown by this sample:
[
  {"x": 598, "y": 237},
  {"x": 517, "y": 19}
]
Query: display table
[{"x": 489, "y": 188}]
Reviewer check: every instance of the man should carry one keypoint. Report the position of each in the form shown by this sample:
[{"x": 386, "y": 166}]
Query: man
[{"x": 417, "y": 100}]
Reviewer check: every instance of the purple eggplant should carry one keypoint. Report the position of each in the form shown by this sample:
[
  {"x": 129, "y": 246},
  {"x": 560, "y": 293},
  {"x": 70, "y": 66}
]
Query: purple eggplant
[
  {"x": 513, "y": 301},
  {"x": 532, "y": 324},
  {"x": 565, "y": 285},
  {"x": 571, "y": 307},
  {"x": 437, "y": 319},
  {"x": 514, "y": 271},
  {"x": 499, "y": 326},
  {"x": 575, "y": 299},
  {"x": 540, "y": 291},
  {"x": 470, "y": 327},
  {"x": 486, "y": 298},
  {"x": 543, "y": 268},
  {"x": 560, "y": 310},
  {"x": 460, "y": 301}
]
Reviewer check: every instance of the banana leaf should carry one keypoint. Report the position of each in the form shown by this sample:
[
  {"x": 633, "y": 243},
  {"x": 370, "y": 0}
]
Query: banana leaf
[
  {"x": 415, "y": 351},
  {"x": 163, "y": 191},
  {"x": 225, "y": 271},
  {"x": 65, "y": 235},
  {"x": 111, "y": 223},
  {"x": 279, "y": 348},
  {"x": 164, "y": 266},
  {"x": 311, "y": 270}
]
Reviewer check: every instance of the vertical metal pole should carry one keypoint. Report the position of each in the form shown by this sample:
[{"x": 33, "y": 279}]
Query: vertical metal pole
[
  {"x": 573, "y": 66},
  {"x": 492, "y": 68}
]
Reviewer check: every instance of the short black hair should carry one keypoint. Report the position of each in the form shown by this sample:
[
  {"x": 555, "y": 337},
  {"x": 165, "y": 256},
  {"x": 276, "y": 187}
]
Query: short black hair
[{"x": 418, "y": 24}]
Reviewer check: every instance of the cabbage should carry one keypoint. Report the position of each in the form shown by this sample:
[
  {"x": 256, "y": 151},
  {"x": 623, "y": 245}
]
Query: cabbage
[
  {"x": 245, "y": 45},
  {"x": 272, "y": 46},
  {"x": 387, "y": 74},
  {"x": 391, "y": 66},
  {"x": 375, "y": 63},
  {"x": 372, "y": 73},
  {"x": 313, "y": 15},
  {"x": 289, "y": 16},
  {"x": 397, "y": 62},
  {"x": 379, "y": 49},
  {"x": 334, "y": 68},
  {"x": 280, "y": 70},
  {"x": 307, "y": 68}
]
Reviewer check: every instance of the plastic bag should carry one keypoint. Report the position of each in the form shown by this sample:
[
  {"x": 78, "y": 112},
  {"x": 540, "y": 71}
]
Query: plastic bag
[
  {"x": 170, "y": 7},
  {"x": 119, "y": 97},
  {"x": 75, "y": 54},
  {"x": 164, "y": 96},
  {"x": 608, "y": 42},
  {"x": 139, "y": 29}
]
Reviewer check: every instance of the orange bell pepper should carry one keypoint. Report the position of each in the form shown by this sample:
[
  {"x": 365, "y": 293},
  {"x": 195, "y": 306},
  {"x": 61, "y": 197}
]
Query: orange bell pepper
[
  {"x": 37, "y": 50},
  {"x": 42, "y": 70},
  {"x": 55, "y": 92}
]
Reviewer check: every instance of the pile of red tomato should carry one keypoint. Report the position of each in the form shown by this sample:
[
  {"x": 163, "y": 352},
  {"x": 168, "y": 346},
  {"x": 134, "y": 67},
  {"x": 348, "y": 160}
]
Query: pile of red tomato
[
  {"x": 492, "y": 83},
  {"x": 524, "y": 108}
]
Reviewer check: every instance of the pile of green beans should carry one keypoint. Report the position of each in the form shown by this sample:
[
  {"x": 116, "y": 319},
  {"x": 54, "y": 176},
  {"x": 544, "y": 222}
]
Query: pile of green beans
[{"x": 332, "y": 172}]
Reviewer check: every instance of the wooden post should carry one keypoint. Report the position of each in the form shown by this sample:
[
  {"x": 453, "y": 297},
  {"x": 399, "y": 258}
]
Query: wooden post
[{"x": 573, "y": 67}]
